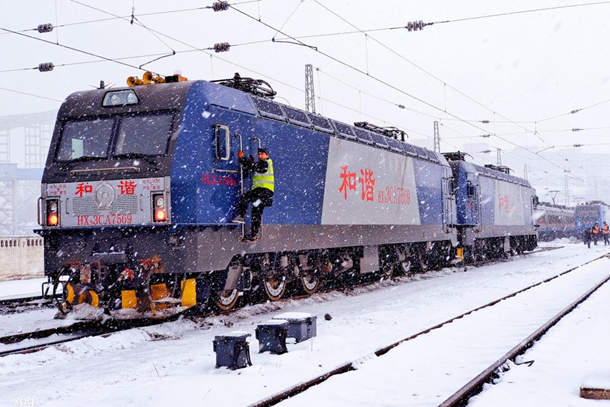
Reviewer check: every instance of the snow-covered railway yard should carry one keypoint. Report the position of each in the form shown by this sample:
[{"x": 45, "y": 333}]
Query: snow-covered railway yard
[{"x": 174, "y": 363}]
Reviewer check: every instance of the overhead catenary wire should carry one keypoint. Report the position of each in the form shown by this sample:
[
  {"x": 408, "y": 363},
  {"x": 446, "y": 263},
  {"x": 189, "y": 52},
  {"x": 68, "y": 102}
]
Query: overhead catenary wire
[
  {"x": 247, "y": 68},
  {"x": 445, "y": 85},
  {"x": 373, "y": 77},
  {"x": 574, "y": 111},
  {"x": 70, "y": 48},
  {"x": 457, "y": 20},
  {"x": 153, "y": 13},
  {"x": 30, "y": 94}
]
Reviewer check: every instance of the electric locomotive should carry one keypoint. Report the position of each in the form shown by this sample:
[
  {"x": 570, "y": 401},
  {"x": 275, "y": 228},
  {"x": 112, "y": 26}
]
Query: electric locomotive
[
  {"x": 495, "y": 210},
  {"x": 587, "y": 214},
  {"x": 141, "y": 184}
]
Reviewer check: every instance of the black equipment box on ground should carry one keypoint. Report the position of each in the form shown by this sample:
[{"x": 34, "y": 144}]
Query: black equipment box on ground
[
  {"x": 232, "y": 350},
  {"x": 272, "y": 336},
  {"x": 301, "y": 325}
]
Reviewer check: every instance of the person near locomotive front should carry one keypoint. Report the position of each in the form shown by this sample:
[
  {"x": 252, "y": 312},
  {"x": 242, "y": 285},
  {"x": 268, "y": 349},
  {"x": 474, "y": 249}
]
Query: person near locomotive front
[
  {"x": 586, "y": 237},
  {"x": 606, "y": 233},
  {"x": 261, "y": 193},
  {"x": 595, "y": 232}
]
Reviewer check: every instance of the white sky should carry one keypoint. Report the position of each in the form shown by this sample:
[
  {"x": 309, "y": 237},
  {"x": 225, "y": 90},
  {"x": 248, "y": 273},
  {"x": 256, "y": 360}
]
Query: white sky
[{"x": 518, "y": 68}]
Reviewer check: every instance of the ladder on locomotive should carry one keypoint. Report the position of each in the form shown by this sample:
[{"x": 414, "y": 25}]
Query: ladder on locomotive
[{"x": 241, "y": 187}]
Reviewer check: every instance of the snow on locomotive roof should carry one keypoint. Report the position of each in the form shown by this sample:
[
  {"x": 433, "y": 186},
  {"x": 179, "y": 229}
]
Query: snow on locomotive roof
[
  {"x": 278, "y": 111},
  {"x": 490, "y": 172}
]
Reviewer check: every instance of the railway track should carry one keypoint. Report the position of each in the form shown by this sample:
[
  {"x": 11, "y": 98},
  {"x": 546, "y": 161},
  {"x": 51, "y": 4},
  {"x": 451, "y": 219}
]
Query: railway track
[
  {"x": 471, "y": 387},
  {"x": 78, "y": 330},
  {"x": 83, "y": 329},
  {"x": 24, "y": 304}
]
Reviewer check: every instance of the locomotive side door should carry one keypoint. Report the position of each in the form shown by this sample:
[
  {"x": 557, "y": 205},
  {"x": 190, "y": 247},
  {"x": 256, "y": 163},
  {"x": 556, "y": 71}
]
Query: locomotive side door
[
  {"x": 226, "y": 168},
  {"x": 448, "y": 191}
]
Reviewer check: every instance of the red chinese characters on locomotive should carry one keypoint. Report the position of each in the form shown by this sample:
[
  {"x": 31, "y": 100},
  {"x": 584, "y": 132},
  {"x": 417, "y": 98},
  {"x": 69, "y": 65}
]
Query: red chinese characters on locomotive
[
  {"x": 83, "y": 188},
  {"x": 127, "y": 187},
  {"x": 504, "y": 203},
  {"x": 222, "y": 180},
  {"x": 349, "y": 182}
]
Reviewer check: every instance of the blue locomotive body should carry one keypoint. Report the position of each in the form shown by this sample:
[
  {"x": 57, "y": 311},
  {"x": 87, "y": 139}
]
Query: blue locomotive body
[{"x": 144, "y": 181}]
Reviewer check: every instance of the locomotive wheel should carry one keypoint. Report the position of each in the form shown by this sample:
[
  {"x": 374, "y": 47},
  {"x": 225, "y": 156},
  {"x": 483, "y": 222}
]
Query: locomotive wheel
[
  {"x": 226, "y": 300},
  {"x": 387, "y": 272},
  {"x": 310, "y": 282},
  {"x": 422, "y": 261},
  {"x": 406, "y": 266},
  {"x": 275, "y": 286}
]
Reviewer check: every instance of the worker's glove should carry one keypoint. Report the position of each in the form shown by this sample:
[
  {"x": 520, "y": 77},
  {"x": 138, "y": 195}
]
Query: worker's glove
[{"x": 240, "y": 154}]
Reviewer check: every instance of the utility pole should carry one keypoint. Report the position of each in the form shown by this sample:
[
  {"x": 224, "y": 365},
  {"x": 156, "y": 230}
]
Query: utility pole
[
  {"x": 310, "y": 103},
  {"x": 567, "y": 191},
  {"x": 499, "y": 157},
  {"x": 525, "y": 171},
  {"x": 437, "y": 138}
]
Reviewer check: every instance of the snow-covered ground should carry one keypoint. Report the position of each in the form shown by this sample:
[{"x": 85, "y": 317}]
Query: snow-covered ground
[
  {"x": 21, "y": 288},
  {"x": 135, "y": 368}
]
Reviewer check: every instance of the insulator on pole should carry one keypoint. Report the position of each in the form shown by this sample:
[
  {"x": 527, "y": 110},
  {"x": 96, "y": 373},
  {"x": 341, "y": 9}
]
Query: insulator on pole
[
  {"x": 220, "y": 6},
  {"x": 415, "y": 25},
  {"x": 222, "y": 47},
  {"x": 46, "y": 67},
  {"x": 45, "y": 28}
]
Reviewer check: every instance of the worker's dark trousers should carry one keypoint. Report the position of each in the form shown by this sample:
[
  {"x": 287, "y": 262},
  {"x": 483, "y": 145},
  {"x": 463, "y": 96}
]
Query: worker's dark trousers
[
  {"x": 595, "y": 237},
  {"x": 606, "y": 239},
  {"x": 259, "y": 198}
]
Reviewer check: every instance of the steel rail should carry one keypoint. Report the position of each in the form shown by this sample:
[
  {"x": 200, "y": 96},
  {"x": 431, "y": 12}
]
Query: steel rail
[
  {"x": 81, "y": 329},
  {"x": 349, "y": 366},
  {"x": 475, "y": 386}
]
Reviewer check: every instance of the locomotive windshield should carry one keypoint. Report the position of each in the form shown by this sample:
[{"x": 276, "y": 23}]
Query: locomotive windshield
[
  {"x": 143, "y": 135},
  {"x": 85, "y": 139},
  {"x": 590, "y": 212},
  {"x": 136, "y": 135}
]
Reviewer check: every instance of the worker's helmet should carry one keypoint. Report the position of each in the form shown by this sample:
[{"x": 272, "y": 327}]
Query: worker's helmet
[{"x": 263, "y": 150}]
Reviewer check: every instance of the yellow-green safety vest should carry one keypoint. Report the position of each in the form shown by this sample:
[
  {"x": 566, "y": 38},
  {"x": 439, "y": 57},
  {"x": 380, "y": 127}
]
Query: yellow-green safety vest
[{"x": 264, "y": 179}]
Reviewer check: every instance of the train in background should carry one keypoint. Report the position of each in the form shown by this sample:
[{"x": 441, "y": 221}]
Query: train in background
[
  {"x": 589, "y": 213},
  {"x": 141, "y": 183},
  {"x": 555, "y": 221}
]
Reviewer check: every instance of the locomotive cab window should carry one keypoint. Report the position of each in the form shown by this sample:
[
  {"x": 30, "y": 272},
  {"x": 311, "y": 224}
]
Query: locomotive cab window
[
  {"x": 143, "y": 135},
  {"x": 85, "y": 139},
  {"x": 222, "y": 142},
  {"x": 471, "y": 189}
]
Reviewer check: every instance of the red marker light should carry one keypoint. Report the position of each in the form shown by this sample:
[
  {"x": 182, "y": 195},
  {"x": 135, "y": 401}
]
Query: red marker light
[
  {"x": 52, "y": 212},
  {"x": 53, "y": 219},
  {"x": 160, "y": 213}
]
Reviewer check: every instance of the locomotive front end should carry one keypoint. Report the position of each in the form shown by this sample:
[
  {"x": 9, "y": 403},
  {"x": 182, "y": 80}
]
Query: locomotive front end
[{"x": 105, "y": 206}]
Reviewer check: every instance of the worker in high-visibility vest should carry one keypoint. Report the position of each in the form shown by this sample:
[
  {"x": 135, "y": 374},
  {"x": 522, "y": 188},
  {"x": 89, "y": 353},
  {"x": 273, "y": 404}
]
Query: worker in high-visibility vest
[
  {"x": 261, "y": 193},
  {"x": 595, "y": 232},
  {"x": 606, "y": 233}
]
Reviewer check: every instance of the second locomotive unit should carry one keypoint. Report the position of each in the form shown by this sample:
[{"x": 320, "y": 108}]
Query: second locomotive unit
[{"x": 141, "y": 184}]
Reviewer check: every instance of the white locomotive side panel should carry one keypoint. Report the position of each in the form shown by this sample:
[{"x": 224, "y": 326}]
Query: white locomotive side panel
[
  {"x": 509, "y": 204},
  {"x": 368, "y": 186},
  {"x": 105, "y": 203}
]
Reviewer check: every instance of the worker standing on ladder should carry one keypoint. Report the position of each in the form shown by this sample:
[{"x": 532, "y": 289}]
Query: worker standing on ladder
[{"x": 261, "y": 193}]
